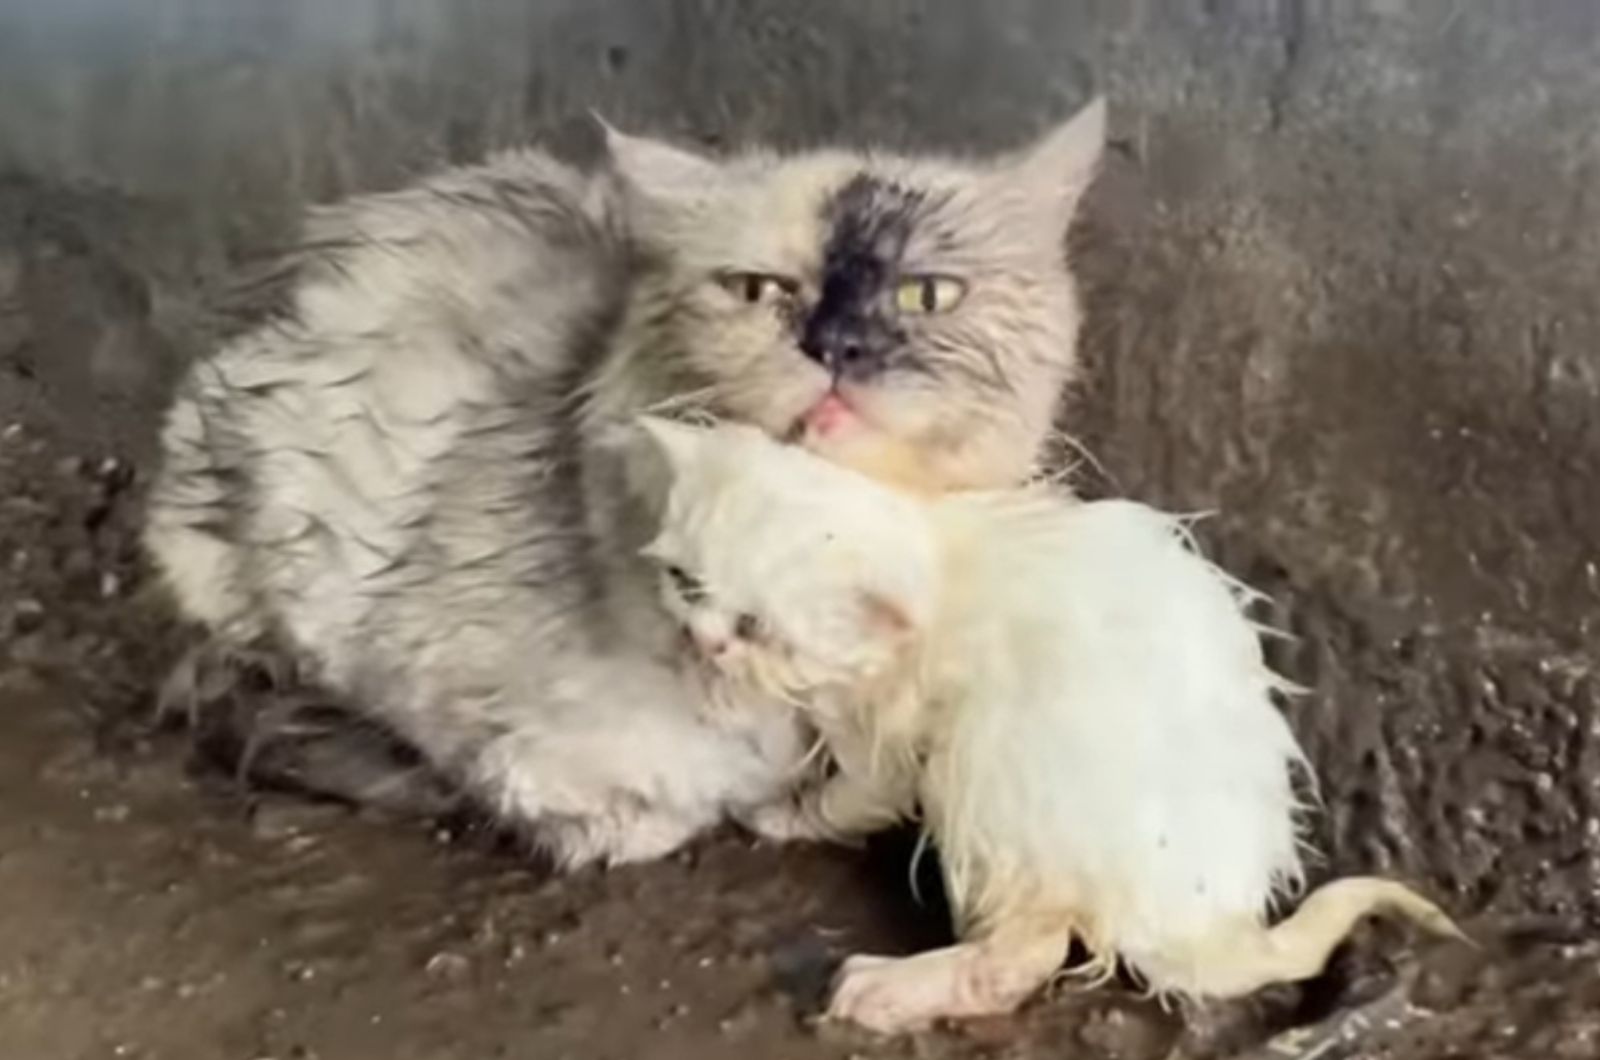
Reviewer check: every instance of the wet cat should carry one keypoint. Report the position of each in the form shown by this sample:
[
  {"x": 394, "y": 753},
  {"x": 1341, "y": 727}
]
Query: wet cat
[
  {"x": 1070, "y": 698},
  {"x": 404, "y": 479}
]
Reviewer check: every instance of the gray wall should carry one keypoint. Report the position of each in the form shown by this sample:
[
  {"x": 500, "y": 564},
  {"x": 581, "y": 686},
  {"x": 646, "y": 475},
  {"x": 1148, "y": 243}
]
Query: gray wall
[{"x": 1344, "y": 273}]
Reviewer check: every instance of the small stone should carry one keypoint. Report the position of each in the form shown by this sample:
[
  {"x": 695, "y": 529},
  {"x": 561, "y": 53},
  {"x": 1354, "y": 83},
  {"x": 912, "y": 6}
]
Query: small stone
[
  {"x": 448, "y": 966},
  {"x": 113, "y": 814},
  {"x": 27, "y": 615},
  {"x": 299, "y": 973}
]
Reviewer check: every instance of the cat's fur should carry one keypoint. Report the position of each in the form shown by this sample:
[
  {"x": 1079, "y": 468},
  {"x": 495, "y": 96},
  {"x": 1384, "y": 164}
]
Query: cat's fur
[
  {"x": 407, "y": 478},
  {"x": 1070, "y": 697}
]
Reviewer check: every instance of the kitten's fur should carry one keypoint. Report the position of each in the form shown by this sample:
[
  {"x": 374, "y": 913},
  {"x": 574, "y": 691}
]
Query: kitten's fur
[
  {"x": 1071, "y": 697},
  {"x": 407, "y": 479}
]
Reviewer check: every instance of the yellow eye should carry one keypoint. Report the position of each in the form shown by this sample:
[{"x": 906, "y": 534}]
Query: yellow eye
[
  {"x": 929, "y": 294},
  {"x": 755, "y": 288}
]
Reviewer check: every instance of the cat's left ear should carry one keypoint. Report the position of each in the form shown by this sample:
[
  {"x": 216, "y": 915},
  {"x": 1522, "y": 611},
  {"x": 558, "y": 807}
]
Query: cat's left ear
[
  {"x": 659, "y": 180},
  {"x": 1052, "y": 174}
]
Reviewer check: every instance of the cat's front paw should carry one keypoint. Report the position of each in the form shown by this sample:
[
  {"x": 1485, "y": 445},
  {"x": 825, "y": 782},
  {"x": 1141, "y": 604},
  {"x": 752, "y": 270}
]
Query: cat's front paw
[{"x": 789, "y": 820}]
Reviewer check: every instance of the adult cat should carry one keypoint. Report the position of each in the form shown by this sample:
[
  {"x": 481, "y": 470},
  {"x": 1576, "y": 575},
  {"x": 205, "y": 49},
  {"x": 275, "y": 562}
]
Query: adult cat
[{"x": 406, "y": 480}]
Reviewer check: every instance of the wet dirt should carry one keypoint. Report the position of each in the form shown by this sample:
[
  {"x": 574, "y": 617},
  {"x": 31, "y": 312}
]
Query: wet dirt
[{"x": 154, "y": 908}]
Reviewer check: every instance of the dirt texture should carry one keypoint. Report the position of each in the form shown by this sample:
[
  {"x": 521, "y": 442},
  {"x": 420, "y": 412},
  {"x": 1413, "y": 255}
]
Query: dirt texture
[{"x": 1341, "y": 273}]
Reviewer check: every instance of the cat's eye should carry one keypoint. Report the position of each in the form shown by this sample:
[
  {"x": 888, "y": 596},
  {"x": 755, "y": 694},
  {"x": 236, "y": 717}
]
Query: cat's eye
[
  {"x": 929, "y": 294},
  {"x": 747, "y": 627},
  {"x": 758, "y": 288},
  {"x": 688, "y": 586}
]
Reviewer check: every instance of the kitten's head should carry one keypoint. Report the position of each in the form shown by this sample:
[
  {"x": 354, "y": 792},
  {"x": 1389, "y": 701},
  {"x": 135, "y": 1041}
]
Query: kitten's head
[
  {"x": 786, "y": 572},
  {"x": 910, "y": 317}
]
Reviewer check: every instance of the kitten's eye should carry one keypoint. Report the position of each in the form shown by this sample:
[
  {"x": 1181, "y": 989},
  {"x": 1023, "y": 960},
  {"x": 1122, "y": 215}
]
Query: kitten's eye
[
  {"x": 747, "y": 627},
  {"x": 689, "y": 587},
  {"x": 756, "y": 288},
  {"x": 929, "y": 294}
]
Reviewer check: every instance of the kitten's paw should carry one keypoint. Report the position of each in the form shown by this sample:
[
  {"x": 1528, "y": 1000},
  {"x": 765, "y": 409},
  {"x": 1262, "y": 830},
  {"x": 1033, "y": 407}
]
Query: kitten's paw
[
  {"x": 898, "y": 995},
  {"x": 888, "y": 995}
]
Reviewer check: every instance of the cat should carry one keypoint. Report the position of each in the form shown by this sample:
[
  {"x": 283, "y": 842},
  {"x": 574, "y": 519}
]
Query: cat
[
  {"x": 1070, "y": 697},
  {"x": 405, "y": 480}
]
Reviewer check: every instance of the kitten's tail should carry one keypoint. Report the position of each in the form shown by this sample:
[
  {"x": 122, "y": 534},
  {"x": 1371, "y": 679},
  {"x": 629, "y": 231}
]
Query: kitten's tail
[{"x": 1236, "y": 962}]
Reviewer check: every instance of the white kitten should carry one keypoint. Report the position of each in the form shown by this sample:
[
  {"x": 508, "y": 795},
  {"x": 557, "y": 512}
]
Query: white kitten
[{"x": 1070, "y": 696}]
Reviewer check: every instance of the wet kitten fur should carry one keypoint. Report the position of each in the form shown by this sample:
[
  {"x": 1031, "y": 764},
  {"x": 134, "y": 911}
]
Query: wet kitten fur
[
  {"x": 1067, "y": 695},
  {"x": 408, "y": 478}
]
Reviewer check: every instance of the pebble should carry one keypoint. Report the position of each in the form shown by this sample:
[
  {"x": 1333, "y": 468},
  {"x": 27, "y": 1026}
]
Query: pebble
[
  {"x": 448, "y": 966},
  {"x": 27, "y": 615}
]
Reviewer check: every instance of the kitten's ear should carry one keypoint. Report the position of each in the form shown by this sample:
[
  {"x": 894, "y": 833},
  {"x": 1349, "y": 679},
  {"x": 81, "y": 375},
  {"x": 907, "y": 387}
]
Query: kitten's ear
[
  {"x": 886, "y": 615},
  {"x": 656, "y": 177},
  {"x": 675, "y": 442},
  {"x": 1058, "y": 168}
]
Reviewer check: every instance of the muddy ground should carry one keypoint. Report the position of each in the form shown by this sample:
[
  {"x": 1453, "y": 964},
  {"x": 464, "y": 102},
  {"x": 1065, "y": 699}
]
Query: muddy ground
[{"x": 153, "y": 907}]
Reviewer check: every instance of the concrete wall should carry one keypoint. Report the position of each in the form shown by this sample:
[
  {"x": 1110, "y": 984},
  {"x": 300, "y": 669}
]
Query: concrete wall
[{"x": 1344, "y": 273}]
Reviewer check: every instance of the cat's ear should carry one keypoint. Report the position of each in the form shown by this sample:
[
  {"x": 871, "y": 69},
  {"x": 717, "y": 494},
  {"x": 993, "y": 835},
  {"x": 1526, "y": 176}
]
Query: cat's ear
[
  {"x": 1051, "y": 175},
  {"x": 659, "y": 181}
]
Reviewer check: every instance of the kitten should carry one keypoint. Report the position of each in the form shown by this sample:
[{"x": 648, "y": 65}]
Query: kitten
[
  {"x": 407, "y": 478},
  {"x": 1072, "y": 699}
]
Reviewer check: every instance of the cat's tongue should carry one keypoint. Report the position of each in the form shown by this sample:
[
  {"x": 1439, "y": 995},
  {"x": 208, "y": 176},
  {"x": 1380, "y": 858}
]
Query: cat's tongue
[{"x": 829, "y": 416}]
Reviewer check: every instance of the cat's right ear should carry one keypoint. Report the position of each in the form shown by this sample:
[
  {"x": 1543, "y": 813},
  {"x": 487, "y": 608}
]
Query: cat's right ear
[
  {"x": 658, "y": 181},
  {"x": 1048, "y": 178}
]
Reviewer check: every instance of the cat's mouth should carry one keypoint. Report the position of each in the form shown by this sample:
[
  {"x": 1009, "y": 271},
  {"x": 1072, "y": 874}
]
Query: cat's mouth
[{"x": 830, "y": 416}]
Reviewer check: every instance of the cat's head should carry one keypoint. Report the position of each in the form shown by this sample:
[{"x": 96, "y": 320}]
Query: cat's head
[
  {"x": 911, "y": 317},
  {"x": 786, "y": 573}
]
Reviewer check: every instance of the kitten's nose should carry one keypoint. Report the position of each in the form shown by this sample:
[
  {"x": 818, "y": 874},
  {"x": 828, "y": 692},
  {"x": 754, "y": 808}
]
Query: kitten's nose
[{"x": 709, "y": 645}]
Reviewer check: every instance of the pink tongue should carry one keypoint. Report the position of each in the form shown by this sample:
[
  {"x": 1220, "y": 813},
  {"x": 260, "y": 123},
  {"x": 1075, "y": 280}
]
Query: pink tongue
[{"x": 829, "y": 415}]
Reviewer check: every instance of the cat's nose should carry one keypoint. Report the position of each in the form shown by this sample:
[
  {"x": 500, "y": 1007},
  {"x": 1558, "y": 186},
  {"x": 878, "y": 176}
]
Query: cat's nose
[{"x": 847, "y": 350}]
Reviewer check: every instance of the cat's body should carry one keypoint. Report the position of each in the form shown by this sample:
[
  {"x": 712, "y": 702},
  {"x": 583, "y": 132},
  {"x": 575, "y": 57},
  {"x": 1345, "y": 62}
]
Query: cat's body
[
  {"x": 1070, "y": 698},
  {"x": 406, "y": 480}
]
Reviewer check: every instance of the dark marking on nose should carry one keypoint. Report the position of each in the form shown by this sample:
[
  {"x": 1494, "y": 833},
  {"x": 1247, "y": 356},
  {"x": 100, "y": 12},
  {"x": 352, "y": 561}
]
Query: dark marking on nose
[{"x": 852, "y": 330}]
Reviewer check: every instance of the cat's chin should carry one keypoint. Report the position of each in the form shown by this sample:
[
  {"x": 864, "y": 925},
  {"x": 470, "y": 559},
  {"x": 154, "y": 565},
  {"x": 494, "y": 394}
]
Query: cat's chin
[
  {"x": 840, "y": 426},
  {"x": 878, "y": 455}
]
